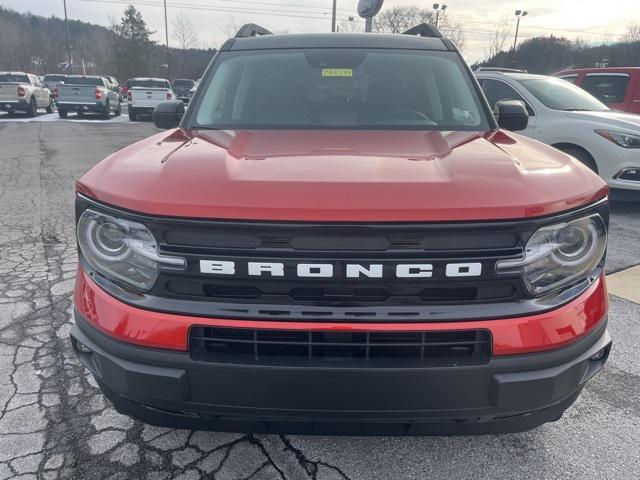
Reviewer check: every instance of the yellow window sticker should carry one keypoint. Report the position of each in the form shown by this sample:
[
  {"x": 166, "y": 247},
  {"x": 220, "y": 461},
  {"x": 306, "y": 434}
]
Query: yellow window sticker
[{"x": 337, "y": 72}]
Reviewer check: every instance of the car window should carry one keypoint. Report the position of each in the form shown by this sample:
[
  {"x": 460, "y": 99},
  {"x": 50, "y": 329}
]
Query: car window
[
  {"x": 339, "y": 89},
  {"x": 90, "y": 81},
  {"x": 54, "y": 78},
  {"x": 557, "y": 94},
  {"x": 150, "y": 84},
  {"x": 496, "y": 91},
  {"x": 13, "y": 78},
  {"x": 570, "y": 78},
  {"x": 606, "y": 88},
  {"x": 183, "y": 83}
]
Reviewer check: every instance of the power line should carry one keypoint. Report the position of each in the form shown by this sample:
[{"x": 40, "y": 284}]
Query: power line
[{"x": 255, "y": 11}]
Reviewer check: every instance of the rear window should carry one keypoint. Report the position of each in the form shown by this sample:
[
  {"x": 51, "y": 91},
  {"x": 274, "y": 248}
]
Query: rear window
[
  {"x": 10, "y": 78},
  {"x": 339, "y": 89},
  {"x": 606, "y": 88},
  {"x": 150, "y": 84},
  {"x": 91, "y": 81},
  {"x": 55, "y": 78},
  {"x": 183, "y": 83}
]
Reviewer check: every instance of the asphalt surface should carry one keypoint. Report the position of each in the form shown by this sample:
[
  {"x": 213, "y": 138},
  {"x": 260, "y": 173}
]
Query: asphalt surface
[{"x": 54, "y": 422}]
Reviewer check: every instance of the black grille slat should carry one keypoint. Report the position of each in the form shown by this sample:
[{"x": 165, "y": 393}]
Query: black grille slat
[{"x": 379, "y": 349}]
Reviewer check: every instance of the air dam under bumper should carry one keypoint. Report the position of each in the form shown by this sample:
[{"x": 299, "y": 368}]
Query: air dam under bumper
[{"x": 510, "y": 394}]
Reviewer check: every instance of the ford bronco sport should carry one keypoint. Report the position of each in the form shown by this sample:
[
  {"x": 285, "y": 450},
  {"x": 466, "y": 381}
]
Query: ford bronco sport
[{"x": 340, "y": 237}]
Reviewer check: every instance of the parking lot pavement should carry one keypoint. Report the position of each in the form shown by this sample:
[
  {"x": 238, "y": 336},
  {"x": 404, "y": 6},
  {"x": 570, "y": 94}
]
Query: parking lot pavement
[{"x": 54, "y": 423}]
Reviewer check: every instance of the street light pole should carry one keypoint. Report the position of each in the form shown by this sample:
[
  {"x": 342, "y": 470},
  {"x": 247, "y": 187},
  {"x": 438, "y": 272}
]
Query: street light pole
[
  {"x": 166, "y": 34},
  {"x": 66, "y": 26},
  {"x": 439, "y": 8},
  {"x": 333, "y": 16},
  {"x": 519, "y": 15}
]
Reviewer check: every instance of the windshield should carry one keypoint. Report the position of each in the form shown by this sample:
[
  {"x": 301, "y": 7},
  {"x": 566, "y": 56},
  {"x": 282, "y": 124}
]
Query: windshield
[
  {"x": 54, "y": 78},
  {"x": 150, "y": 84},
  {"x": 559, "y": 94},
  {"x": 11, "y": 78},
  {"x": 91, "y": 81},
  {"x": 339, "y": 89}
]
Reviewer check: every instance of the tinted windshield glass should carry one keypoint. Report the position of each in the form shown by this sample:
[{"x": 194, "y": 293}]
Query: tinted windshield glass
[
  {"x": 9, "y": 78},
  {"x": 150, "y": 84},
  {"x": 339, "y": 88},
  {"x": 54, "y": 78},
  {"x": 183, "y": 83},
  {"x": 91, "y": 81},
  {"x": 561, "y": 95}
]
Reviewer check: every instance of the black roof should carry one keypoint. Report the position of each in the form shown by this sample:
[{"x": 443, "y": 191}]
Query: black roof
[{"x": 336, "y": 40}]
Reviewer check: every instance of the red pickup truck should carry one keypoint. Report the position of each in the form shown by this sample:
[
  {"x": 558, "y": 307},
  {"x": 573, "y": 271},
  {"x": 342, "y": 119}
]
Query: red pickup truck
[
  {"x": 338, "y": 236},
  {"x": 618, "y": 88}
]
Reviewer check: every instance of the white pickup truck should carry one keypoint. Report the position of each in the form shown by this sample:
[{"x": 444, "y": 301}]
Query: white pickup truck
[
  {"x": 23, "y": 92},
  {"x": 88, "y": 94},
  {"x": 145, "y": 94}
]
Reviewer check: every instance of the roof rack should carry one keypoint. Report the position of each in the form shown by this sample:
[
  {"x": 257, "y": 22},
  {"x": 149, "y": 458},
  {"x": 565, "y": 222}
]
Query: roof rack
[
  {"x": 500, "y": 69},
  {"x": 252, "y": 30},
  {"x": 424, "y": 30}
]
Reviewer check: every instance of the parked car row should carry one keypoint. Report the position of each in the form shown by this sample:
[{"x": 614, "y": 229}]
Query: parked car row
[{"x": 573, "y": 121}]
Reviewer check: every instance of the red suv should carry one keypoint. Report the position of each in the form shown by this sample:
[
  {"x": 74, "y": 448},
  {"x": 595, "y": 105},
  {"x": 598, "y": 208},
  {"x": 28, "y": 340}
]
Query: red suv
[
  {"x": 619, "y": 88},
  {"x": 339, "y": 237}
]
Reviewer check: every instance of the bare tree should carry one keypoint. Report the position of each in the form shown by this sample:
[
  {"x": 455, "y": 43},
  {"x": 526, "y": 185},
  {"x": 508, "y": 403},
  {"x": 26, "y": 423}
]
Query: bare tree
[
  {"x": 401, "y": 18},
  {"x": 632, "y": 33},
  {"x": 184, "y": 33},
  {"x": 499, "y": 36},
  {"x": 350, "y": 26}
]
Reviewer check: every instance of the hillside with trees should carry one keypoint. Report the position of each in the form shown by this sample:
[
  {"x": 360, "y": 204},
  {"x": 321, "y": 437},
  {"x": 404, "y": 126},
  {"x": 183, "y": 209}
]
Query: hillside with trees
[
  {"x": 37, "y": 44},
  {"x": 551, "y": 54}
]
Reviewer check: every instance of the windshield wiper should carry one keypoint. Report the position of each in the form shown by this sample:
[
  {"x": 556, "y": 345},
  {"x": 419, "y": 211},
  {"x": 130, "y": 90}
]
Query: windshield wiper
[{"x": 576, "y": 110}]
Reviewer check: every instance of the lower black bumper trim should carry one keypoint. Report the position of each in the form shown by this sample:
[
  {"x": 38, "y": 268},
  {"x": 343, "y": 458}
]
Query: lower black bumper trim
[{"x": 512, "y": 393}]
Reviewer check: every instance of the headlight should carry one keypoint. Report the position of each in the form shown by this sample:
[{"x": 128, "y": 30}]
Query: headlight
[
  {"x": 122, "y": 250},
  {"x": 623, "y": 139},
  {"x": 559, "y": 255}
]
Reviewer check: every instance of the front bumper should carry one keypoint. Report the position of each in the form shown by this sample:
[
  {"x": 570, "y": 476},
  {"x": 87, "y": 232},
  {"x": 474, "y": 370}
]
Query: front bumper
[{"x": 511, "y": 393}]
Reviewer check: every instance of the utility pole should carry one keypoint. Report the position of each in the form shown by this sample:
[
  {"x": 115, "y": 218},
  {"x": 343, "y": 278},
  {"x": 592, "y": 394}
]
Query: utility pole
[
  {"x": 66, "y": 25},
  {"x": 333, "y": 17},
  {"x": 166, "y": 33}
]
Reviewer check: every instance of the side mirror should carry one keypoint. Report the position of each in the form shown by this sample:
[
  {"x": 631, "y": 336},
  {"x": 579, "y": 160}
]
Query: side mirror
[
  {"x": 168, "y": 114},
  {"x": 511, "y": 115}
]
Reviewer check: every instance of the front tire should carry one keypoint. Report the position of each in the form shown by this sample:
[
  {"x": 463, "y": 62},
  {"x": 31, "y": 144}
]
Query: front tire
[
  {"x": 118, "y": 110},
  {"x": 50, "y": 106}
]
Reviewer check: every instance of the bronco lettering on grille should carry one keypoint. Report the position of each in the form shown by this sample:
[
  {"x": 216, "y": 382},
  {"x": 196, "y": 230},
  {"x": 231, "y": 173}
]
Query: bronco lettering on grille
[{"x": 351, "y": 270}]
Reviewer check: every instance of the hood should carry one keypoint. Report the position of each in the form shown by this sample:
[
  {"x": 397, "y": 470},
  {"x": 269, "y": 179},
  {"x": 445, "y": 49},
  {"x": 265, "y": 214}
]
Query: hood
[
  {"x": 342, "y": 176},
  {"x": 610, "y": 119}
]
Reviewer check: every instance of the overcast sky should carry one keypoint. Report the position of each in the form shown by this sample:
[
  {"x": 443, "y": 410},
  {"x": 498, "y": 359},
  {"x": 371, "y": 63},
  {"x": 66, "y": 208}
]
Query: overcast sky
[{"x": 591, "y": 20}]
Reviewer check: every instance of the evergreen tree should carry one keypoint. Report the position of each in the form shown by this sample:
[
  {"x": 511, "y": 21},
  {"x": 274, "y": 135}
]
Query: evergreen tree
[{"x": 133, "y": 44}]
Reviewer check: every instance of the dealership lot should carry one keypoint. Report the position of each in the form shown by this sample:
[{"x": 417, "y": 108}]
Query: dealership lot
[{"x": 56, "y": 424}]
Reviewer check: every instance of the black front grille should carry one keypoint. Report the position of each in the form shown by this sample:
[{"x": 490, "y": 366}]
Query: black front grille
[
  {"x": 339, "y": 349},
  {"x": 292, "y": 244}
]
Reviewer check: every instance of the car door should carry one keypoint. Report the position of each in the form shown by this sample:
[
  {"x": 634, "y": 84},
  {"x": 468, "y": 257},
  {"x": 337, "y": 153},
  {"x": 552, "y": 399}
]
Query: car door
[
  {"x": 497, "y": 90},
  {"x": 609, "y": 88}
]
